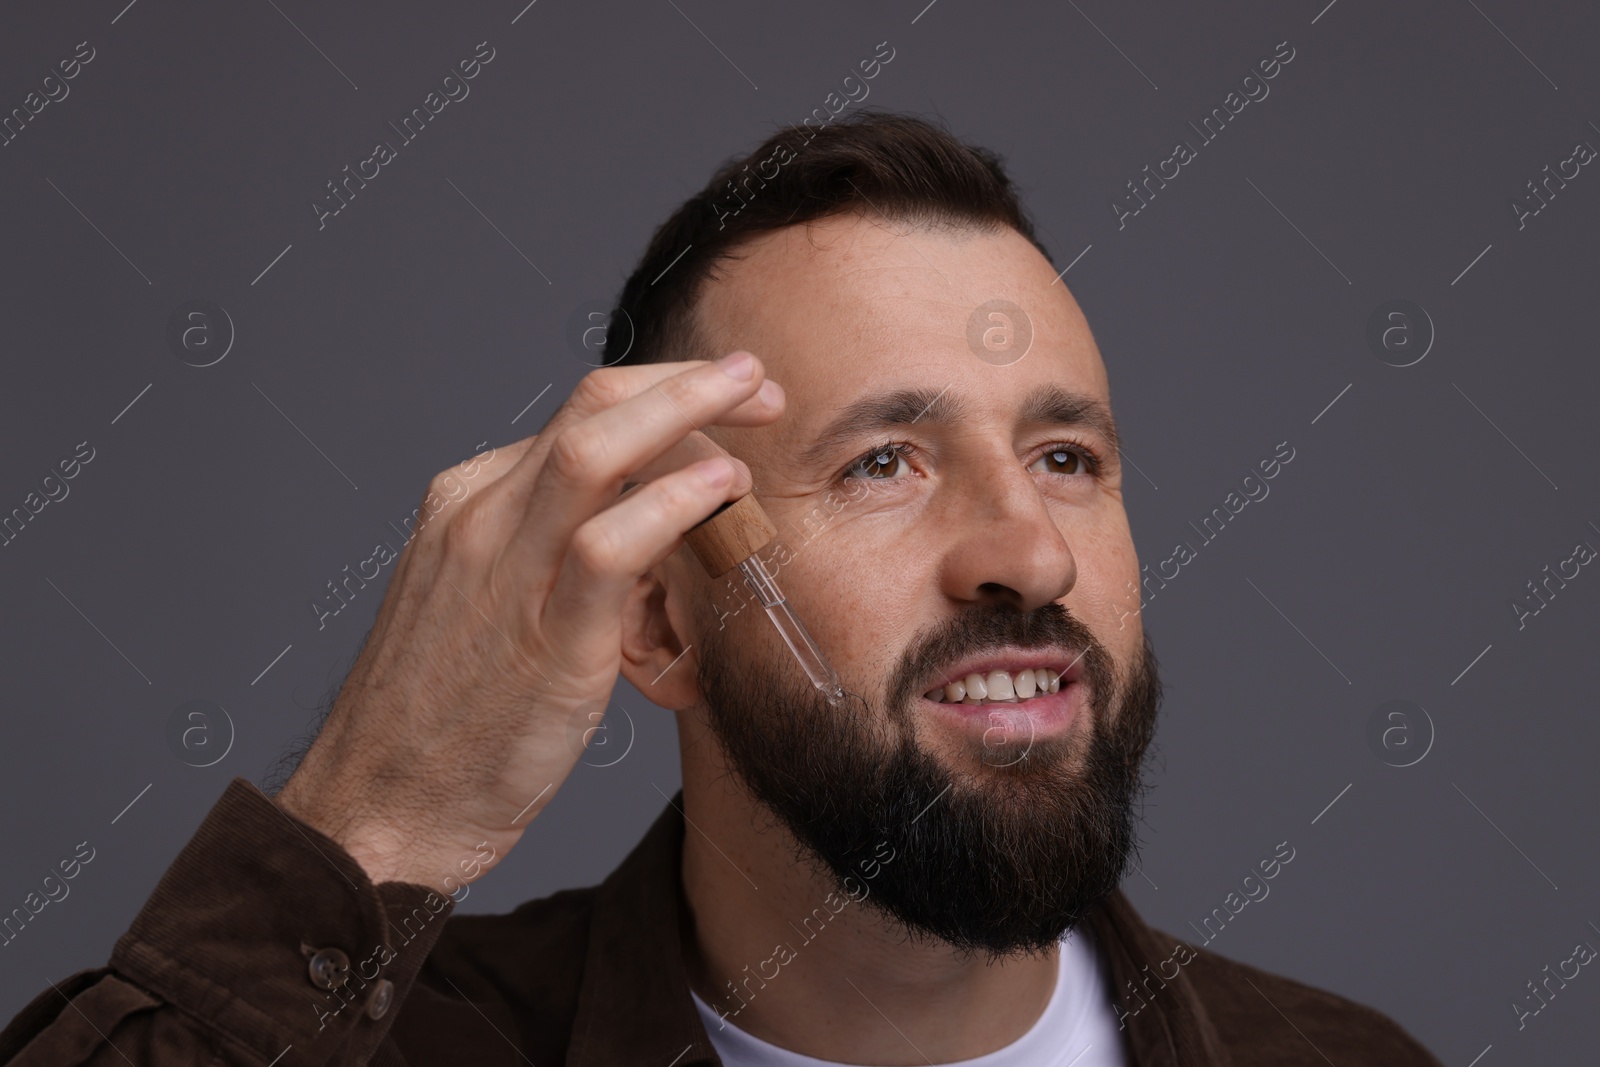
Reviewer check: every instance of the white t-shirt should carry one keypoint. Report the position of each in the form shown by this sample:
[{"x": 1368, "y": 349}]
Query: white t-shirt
[{"x": 1078, "y": 1028}]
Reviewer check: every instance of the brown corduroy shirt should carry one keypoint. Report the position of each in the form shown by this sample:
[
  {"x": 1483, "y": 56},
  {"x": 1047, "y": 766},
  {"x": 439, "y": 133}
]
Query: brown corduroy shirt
[{"x": 265, "y": 943}]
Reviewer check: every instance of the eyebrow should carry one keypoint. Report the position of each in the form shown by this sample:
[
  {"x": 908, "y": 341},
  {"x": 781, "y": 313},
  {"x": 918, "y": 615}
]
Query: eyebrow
[{"x": 1047, "y": 405}]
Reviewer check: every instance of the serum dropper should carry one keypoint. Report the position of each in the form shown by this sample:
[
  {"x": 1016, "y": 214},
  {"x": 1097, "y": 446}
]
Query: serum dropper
[{"x": 732, "y": 538}]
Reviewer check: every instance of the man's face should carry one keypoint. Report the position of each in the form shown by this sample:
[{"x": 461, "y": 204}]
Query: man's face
[{"x": 946, "y": 513}]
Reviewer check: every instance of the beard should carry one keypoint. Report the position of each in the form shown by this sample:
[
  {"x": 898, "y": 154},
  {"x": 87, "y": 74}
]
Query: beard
[{"x": 1004, "y": 853}]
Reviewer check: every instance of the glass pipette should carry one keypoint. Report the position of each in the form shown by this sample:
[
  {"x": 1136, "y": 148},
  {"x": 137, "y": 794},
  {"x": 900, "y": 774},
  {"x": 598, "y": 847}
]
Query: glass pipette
[
  {"x": 732, "y": 538},
  {"x": 791, "y": 629}
]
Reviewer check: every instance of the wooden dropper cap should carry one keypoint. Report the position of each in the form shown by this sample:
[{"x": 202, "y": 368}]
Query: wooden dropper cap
[{"x": 733, "y": 533}]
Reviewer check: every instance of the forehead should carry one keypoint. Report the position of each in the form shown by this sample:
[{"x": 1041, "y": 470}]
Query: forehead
[{"x": 852, "y": 305}]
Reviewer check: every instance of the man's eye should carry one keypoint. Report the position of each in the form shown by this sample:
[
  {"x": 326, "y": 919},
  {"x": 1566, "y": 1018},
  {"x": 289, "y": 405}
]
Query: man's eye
[
  {"x": 1065, "y": 460},
  {"x": 880, "y": 464}
]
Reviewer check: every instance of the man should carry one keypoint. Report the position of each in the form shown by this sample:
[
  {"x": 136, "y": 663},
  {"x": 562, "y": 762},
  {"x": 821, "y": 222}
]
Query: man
[{"x": 925, "y": 873}]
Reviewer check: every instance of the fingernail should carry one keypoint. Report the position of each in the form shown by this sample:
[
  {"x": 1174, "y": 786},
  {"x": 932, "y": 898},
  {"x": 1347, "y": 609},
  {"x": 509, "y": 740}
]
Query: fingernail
[
  {"x": 738, "y": 365},
  {"x": 771, "y": 393}
]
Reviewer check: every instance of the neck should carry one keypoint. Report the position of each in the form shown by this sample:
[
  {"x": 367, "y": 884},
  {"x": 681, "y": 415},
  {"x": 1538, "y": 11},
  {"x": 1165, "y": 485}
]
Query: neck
[{"x": 785, "y": 954}]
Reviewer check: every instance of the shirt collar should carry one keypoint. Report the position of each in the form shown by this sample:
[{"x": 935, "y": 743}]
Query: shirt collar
[{"x": 634, "y": 1004}]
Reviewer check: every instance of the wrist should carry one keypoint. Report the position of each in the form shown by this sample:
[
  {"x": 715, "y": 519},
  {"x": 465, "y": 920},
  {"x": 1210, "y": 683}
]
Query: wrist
[
  {"x": 390, "y": 850},
  {"x": 383, "y": 854},
  {"x": 389, "y": 855}
]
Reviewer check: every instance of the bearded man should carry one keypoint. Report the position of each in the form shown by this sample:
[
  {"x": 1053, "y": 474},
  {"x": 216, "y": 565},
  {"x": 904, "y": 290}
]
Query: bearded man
[{"x": 925, "y": 871}]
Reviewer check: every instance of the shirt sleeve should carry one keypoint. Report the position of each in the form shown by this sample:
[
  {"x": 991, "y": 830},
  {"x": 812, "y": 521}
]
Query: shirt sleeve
[{"x": 264, "y": 936}]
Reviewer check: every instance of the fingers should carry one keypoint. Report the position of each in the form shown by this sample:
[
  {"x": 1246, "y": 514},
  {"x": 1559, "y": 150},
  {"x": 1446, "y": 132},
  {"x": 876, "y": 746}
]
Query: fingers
[
  {"x": 610, "y": 387},
  {"x": 693, "y": 448},
  {"x": 587, "y": 461},
  {"x": 609, "y": 552}
]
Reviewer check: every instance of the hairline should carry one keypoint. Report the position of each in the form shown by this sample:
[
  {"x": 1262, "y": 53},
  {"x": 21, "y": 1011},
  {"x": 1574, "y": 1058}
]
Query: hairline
[{"x": 698, "y": 338}]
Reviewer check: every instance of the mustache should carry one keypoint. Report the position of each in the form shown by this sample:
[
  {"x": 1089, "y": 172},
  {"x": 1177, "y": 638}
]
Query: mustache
[{"x": 988, "y": 627}]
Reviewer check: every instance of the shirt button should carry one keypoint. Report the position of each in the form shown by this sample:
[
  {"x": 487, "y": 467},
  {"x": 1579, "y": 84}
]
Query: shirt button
[
  {"x": 382, "y": 997},
  {"x": 329, "y": 968}
]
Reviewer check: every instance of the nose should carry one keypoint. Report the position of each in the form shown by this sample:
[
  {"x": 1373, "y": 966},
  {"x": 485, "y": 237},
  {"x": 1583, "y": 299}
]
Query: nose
[{"x": 1007, "y": 547}]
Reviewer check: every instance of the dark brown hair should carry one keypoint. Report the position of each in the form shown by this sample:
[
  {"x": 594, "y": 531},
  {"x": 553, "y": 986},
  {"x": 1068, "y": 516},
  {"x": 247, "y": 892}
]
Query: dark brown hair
[{"x": 893, "y": 166}]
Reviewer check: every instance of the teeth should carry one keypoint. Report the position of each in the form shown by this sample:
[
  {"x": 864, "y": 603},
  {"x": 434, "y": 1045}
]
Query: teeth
[{"x": 997, "y": 687}]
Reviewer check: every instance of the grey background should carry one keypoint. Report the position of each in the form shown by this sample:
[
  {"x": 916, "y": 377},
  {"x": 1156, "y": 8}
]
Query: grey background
[{"x": 1231, "y": 312}]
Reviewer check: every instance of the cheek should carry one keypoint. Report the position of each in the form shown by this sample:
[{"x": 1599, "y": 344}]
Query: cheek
[
  {"x": 859, "y": 600},
  {"x": 1106, "y": 596}
]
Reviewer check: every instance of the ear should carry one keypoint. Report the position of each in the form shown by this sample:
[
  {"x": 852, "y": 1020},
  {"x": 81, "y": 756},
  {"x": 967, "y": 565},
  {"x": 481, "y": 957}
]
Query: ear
[{"x": 656, "y": 660}]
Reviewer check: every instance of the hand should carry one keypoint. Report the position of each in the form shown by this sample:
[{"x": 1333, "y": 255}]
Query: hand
[{"x": 501, "y": 626}]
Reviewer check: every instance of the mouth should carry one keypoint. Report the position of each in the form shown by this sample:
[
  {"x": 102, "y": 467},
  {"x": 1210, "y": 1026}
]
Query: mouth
[{"x": 1017, "y": 678}]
